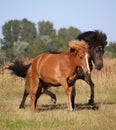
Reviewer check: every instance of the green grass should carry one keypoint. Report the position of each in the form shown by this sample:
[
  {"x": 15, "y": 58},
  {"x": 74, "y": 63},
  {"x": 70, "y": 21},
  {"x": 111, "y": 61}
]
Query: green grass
[
  {"x": 18, "y": 123},
  {"x": 56, "y": 117}
]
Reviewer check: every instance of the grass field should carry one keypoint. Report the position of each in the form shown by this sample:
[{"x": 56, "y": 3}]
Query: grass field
[{"x": 57, "y": 117}]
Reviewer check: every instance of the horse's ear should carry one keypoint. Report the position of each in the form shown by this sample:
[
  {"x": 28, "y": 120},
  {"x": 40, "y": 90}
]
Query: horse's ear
[{"x": 73, "y": 50}]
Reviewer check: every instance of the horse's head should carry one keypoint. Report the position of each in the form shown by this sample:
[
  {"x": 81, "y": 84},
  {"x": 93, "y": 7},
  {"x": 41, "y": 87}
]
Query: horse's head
[
  {"x": 80, "y": 50},
  {"x": 97, "y": 49},
  {"x": 96, "y": 41},
  {"x": 96, "y": 54}
]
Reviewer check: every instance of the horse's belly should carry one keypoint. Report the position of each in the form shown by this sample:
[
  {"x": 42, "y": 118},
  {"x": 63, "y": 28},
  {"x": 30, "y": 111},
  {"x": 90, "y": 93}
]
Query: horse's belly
[{"x": 50, "y": 79}]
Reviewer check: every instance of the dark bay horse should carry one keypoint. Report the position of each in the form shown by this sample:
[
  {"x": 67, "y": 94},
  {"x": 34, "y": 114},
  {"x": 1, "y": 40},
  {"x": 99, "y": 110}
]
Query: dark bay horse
[
  {"x": 96, "y": 41},
  {"x": 56, "y": 69}
]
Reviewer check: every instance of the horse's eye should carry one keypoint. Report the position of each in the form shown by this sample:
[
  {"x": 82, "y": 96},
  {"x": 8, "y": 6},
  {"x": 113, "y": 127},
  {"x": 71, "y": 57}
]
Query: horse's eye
[
  {"x": 81, "y": 57},
  {"x": 101, "y": 48}
]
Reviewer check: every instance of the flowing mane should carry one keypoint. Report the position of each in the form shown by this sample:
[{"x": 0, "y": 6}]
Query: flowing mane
[
  {"x": 78, "y": 44},
  {"x": 93, "y": 37}
]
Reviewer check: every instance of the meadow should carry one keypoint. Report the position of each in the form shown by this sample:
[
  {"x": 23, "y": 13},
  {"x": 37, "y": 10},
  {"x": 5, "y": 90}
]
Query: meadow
[{"x": 51, "y": 116}]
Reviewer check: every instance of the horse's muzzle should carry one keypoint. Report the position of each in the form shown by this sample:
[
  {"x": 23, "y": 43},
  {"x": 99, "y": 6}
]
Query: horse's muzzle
[{"x": 99, "y": 67}]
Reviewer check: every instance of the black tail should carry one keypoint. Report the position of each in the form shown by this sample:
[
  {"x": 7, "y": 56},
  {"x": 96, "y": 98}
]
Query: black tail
[{"x": 19, "y": 68}]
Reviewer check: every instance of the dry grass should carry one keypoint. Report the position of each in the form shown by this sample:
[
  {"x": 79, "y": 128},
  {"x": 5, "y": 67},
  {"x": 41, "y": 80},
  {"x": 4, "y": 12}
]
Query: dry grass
[{"x": 57, "y": 117}]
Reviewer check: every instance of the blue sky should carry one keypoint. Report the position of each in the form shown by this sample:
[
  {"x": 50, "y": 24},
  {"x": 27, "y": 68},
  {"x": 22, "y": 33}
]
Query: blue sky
[{"x": 82, "y": 14}]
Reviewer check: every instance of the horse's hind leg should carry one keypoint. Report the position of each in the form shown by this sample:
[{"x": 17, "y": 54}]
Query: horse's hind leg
[
  {"x": 52, "y": 95},
  {"x": 39, "y": 90},
  {"x": 23, "y": 99},
  {"x": 34, "y": 92}
]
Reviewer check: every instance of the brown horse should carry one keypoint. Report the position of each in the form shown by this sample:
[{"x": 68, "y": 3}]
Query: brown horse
[{"x": 57, "y": 69}]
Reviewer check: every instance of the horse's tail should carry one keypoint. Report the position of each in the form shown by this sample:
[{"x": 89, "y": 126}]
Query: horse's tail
[{"x": 19, "y": 68}]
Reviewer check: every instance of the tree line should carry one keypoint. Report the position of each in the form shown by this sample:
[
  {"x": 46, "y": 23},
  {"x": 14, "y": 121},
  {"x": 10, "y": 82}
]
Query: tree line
[{"x": 24, "y": 38}]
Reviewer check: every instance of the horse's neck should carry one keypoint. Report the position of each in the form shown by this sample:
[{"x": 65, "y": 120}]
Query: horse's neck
[
  {"x": 91, "y": 54},
  {"x": 70, "y": 60}
]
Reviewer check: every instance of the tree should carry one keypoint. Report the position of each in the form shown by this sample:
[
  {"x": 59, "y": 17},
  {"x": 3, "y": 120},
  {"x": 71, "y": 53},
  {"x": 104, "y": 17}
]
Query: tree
[
  {"x": 20, "y": 49},
  {"x": 2, "y": 56},
  {"x": 11, "y": 33},
  {"x": 16, "y": 30},
  {"x": 68, "y": 34},
  {"x": 73, "y": 32},
  {"x": 110, "y": 50},
  {"x": 65, "y": 35},
  {"x": 28, "y": 31},
  {"x": 46, "y": 28}
]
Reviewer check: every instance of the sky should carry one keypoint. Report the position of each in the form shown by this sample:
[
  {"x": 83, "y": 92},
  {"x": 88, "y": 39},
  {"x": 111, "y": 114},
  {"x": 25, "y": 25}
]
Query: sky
[{"x": 86, "y": 15}]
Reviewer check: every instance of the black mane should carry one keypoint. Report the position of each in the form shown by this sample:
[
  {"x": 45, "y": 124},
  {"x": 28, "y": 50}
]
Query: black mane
[{"x": 93, "y": 37}]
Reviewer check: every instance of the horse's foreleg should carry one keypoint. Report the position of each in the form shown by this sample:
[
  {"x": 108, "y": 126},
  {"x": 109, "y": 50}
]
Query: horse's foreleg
[
  {"x": 52, "y": 95},
  {"x": 23, "y": 99},
  {"x": 73, "y": 97},
  {"x": 91, "y": 100},
  {"x": 91, "y": 84},
  {"x": 70, "y": 90}
]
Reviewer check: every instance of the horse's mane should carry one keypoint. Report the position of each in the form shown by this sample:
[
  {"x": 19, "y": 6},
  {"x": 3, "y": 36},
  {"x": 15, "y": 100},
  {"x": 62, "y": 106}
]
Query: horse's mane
[
  {"x": 78, "y": 43},
  {"x": 93, "y": 37}
]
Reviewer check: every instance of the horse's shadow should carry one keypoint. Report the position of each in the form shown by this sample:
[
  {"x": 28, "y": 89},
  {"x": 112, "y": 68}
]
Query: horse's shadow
[
  {"x": 78, "y": 107},
  {"x": 63, "y": 106}
]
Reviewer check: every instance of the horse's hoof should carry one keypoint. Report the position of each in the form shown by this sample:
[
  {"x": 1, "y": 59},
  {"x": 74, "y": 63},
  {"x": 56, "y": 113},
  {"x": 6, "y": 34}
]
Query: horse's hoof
[
  {"x": 53, "y": 100},
  {"x": 91, "y": 102},
  {"x": 70, "y": 110},
  {"x": 21, "y": 107}
]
